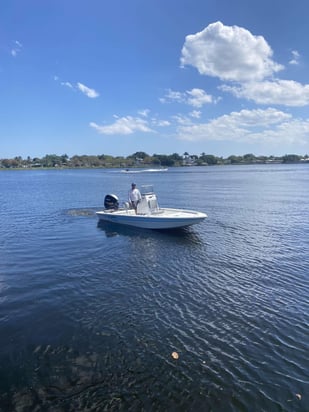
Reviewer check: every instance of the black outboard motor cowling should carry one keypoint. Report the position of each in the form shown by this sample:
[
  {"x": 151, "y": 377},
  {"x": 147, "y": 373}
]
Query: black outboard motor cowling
[{"x": 111, "y": 202}]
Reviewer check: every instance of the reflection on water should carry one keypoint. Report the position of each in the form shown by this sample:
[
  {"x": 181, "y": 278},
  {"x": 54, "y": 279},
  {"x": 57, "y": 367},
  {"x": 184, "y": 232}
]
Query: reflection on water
[{"x": 179, "y": 234}]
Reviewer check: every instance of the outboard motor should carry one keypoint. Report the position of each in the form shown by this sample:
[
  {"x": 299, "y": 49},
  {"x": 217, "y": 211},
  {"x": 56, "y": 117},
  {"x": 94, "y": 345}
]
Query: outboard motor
[{"x": 111, "y": 202}]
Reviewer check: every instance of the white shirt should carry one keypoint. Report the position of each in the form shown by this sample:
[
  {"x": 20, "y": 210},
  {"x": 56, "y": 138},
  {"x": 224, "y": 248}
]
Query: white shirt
[{"x": 134, "y": 195}]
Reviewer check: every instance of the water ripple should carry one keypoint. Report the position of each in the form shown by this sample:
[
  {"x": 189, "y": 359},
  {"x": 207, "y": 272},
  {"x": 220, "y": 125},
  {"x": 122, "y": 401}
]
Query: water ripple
[{"x": 90, "y": 313}]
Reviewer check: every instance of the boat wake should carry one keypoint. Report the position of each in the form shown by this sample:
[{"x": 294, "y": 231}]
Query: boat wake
[
  {"x": 144, "y": 171},
  {"x": 82, "y": 212}
]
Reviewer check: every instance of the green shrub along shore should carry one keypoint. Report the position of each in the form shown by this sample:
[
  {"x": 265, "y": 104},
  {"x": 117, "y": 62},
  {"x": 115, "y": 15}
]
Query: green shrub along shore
[{"x": 142, "y": 159}]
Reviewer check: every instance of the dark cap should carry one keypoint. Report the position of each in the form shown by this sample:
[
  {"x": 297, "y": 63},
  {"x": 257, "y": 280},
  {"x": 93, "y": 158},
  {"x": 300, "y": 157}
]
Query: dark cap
[{"x": 133, "y": 184}]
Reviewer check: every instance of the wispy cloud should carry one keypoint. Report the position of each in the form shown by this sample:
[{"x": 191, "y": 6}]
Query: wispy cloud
[
  {"x": 195, "y": 114},
  {"x": 91, "y": 93},
  {"x": 67, "y": 84},
  {"x": 183, "y": 120},
  {"x": 123, "y": 126},
  {"x": 295, "y": 58},
  {"x": 17, "y": 47},
  {"x": 160, "y": 123},
  {"x": 195, "y": 97},
  {"x": 144, "y": 112},
  {"x": 172, "y": 96}
]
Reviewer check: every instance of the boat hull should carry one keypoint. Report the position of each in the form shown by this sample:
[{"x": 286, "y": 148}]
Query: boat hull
[{"x": 164, "y": 219}]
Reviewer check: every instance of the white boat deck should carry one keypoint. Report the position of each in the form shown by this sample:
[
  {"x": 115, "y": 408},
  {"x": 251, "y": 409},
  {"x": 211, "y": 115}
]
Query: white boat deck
[{"x": 159, "y": 213}]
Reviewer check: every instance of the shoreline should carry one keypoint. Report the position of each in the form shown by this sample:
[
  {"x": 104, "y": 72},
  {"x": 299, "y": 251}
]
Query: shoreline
[{"x": 151, "y": 166}]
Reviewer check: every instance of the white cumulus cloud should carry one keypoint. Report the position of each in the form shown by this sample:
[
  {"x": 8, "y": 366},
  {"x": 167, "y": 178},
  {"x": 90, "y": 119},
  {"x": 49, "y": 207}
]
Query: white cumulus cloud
[
  {"x": 281, "y": 92},
  {"x": 229, "y": 53},
  {"x": 123, "y": 126},
  {"x": 198, "y": 97},
  {"x": 270, "y": 125}
]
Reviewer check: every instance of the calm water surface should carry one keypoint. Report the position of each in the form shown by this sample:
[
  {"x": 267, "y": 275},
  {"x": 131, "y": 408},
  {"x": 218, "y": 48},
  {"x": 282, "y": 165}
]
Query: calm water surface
[{"x": 91, "y": 314}]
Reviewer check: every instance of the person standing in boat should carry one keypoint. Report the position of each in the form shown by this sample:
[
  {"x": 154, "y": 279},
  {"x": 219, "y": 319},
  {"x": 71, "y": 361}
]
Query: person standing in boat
[{"x": 134, "y": 196}]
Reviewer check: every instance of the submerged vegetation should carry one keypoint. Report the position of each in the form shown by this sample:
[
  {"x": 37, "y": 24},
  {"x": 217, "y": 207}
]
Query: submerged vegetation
[{"x": 142, "y": 159}]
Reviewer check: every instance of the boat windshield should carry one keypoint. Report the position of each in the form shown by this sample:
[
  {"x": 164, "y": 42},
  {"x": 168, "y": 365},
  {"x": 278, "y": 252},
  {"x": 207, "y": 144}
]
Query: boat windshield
[{"x": 146, "y": 189}]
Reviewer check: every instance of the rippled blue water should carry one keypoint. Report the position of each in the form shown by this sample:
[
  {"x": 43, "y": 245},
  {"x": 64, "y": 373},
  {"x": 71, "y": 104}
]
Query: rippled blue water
[{"x": 91, "y": 314}]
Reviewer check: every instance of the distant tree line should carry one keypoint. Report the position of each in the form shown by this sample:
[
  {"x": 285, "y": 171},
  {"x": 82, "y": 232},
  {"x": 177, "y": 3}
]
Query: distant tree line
[{"x": 142, "y": 159}]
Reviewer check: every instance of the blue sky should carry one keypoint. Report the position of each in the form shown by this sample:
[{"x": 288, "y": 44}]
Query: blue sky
[{"x": 161, "y": 76}]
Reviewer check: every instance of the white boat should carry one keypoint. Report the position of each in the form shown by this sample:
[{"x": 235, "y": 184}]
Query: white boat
[{"x": 149, "y": 215}]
